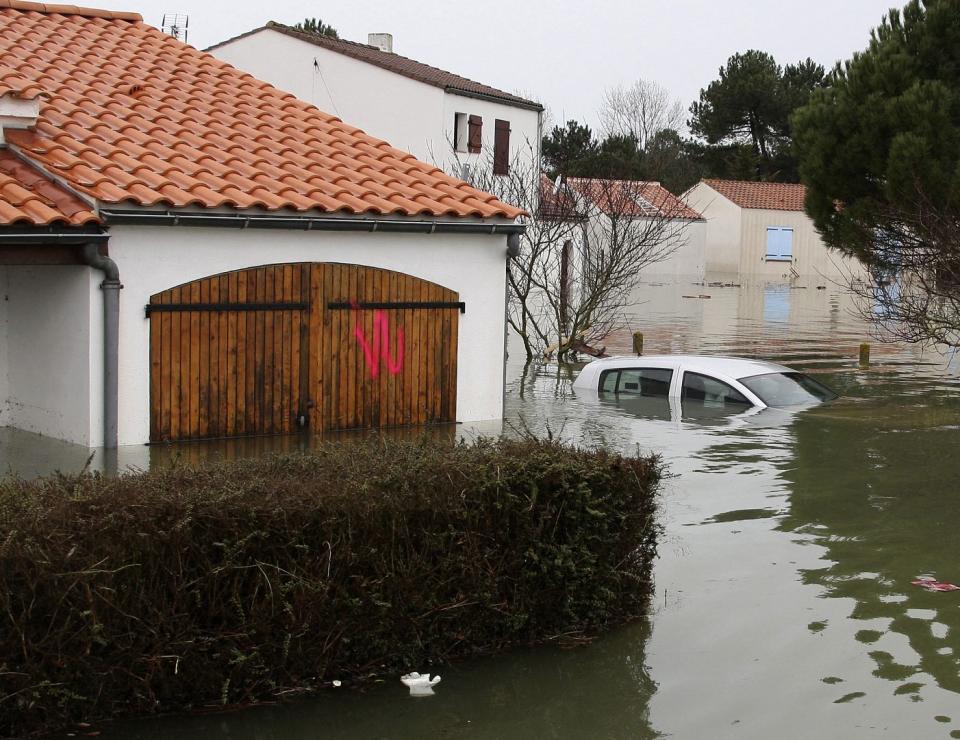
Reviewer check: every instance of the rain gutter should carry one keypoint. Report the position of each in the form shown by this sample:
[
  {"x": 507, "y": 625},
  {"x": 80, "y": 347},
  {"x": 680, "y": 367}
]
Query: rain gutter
[
  {"x": 306, "y": 223},
  {"x": 66, "y": 238}
]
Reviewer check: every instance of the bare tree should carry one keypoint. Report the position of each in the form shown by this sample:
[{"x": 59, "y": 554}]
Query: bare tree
[
  {"x": 912, "y": 254},
  {"x": 586, "y": 244},
  {"x": 546, "y": 231},
  {"x": 642, "y": 110},
  {"x": 623, "y": 227}
]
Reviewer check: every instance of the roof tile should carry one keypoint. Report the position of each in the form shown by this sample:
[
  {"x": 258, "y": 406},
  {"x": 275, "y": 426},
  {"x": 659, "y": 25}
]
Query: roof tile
[
  {"x": 632, "y": 198},
  {"x": 162, "y": 123},
  {"x": 27, "y": 197},
  {"x": 771, "y": 196}
]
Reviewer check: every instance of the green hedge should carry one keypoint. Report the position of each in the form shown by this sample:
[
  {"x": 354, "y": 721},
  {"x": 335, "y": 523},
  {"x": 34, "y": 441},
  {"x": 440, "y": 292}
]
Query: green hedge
[{"x": 231, "y": 582}]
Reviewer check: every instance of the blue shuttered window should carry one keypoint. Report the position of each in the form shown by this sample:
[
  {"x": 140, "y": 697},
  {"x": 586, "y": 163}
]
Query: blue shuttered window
[{"x": 779, "y": 243}]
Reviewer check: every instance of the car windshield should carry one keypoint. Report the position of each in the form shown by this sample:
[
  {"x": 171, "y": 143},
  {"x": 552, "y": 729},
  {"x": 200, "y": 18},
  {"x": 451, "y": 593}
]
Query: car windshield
[{"x": 788, "y": 389}]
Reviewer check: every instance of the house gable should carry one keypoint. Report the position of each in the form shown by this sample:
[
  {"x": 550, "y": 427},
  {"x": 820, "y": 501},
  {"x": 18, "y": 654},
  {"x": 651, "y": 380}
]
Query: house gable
[
  {"x": 404, "y": 66},
  {"x": 416, "y": 107}
]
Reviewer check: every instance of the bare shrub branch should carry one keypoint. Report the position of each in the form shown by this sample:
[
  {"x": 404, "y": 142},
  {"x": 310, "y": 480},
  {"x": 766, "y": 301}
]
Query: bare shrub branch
[
  {"x": 586, "y": 244},
  {"x": 641, "y": 109},
  {"x": 913, "y": 252}
]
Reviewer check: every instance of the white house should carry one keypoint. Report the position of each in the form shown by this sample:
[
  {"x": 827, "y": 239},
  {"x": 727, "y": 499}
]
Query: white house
[
  {"x": 436, "y": 115},
  {"x": 760, "y": 230},
  {"x": 673, "y": 231},
  {"x": 188, "y": 252}
]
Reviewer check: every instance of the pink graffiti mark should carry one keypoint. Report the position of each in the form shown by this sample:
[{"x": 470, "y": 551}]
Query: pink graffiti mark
[{"x": 379, "y": 348}]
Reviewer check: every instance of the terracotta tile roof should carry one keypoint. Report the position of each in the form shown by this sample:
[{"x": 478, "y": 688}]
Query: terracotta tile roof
[
  {"x": 632, "y": 198},
  {"x": 70, "y": 10},
  {"x": 772, "y": 196},
  {"x": 27, "y": 197},
  {"x": 134, "y": 116},
  {"x": 12, "y": 84},
  {"x": 556, "y": 202},
  {"x": 399, "y": 64}
]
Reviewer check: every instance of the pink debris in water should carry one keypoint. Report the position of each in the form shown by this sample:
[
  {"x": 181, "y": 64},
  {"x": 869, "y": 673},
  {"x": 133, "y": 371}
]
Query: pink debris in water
[{"x": 932, "y": 584}]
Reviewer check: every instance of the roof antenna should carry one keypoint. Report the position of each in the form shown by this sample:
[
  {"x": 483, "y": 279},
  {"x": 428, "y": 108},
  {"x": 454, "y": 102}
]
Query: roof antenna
[{"x": 176, "y": 25}]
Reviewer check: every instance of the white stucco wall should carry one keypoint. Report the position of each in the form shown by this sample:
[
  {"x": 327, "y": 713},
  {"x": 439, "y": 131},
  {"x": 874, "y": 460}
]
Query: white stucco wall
[
  {"x": 410, "y": 115},
  {"x": 688, "y": 258},
  {"x": 723, "y": 228},
  {"x": 525, "y": 134},
  {"x": 4, "y": 351},
  {"x": 403, "y": 112},
  {"x": 810, "y": 255},
  {"x": 685, "y": 238},
  {"x": 49, "y": 341},
  {"x": 152, "y": 259}
]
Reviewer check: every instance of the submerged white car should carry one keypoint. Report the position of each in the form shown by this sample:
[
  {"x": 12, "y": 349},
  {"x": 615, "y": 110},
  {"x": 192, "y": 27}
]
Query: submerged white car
[{"x": 718, "y": 382}]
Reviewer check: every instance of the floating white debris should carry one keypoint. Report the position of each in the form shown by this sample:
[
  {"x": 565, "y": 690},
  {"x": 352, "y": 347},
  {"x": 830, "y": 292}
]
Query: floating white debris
[
  {"x": 420, "y": 685},
  {"x": 337, "y": 684}
]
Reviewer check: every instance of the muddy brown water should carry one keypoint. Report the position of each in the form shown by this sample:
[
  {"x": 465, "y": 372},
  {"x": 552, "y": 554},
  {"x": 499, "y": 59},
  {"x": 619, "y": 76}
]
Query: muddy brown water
[{"x": 784, "y": 605}]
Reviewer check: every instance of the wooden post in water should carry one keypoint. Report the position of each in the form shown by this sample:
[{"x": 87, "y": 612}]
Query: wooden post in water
[
  {"x": 864, "y": 355},
  {"x": 638, "y": 342}
]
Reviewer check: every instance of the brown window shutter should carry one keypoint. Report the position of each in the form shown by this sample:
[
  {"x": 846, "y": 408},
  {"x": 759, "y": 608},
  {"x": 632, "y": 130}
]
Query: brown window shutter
[
  {"x": 501, "y": 148},
  {"x": 475, "y": 135}
]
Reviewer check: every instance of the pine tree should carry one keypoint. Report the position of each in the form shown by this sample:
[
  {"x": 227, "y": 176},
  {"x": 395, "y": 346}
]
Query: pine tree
[
  {"x": 317, "y": 26},
  {"x": 879, "y": 151}
]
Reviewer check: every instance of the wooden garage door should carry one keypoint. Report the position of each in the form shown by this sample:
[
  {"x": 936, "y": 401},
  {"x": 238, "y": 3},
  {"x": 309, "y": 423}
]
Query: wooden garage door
[{"x": 279, "y": 348}]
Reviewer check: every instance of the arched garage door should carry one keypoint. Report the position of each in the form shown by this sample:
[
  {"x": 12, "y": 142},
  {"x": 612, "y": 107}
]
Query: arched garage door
[{"x": 277, "y": 348}]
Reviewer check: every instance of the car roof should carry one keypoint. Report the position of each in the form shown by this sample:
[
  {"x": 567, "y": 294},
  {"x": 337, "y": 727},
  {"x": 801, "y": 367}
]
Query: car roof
[{"x": 732, "y": 367}]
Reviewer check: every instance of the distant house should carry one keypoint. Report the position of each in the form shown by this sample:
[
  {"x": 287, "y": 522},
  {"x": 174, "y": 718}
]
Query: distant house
[
  {"x": 187, "y": 252},
  {"x": 436, "y": 115},
  {"x": 759, "y": 229},
  {"x": 676, "y": 235}
]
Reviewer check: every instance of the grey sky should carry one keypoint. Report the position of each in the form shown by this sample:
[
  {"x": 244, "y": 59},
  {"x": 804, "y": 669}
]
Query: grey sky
[{"x": 565, "y": 53}]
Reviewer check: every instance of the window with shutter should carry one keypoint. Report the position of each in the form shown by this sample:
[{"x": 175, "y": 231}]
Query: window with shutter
[
  {"x": 501, "y": 148},
  {"x": 779, "y": 243},
  {"x": 460, "y": 132},
  {"x": 475, "y": 134}
]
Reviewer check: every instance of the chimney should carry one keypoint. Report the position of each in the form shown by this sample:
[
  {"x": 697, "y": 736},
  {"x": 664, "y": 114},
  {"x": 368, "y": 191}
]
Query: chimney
[
  {"x": 383, "y": 41},
  {"x": 17, "y": 112}
]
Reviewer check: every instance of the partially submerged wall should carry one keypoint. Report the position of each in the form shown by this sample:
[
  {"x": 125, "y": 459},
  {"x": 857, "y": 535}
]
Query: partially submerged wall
[
  {"x": 48, "y": 337},
  {"x": 152, "y": 259},
  {"x": 722, "y": 232},
  {"x": 4, "y": 351},
  {"x": 811, "y": 257}
]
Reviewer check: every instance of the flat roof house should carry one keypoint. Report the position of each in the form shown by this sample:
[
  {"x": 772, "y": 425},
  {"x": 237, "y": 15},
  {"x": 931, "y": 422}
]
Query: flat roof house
[
  {"x": 759, "y": 229},
  {"x": 187, "y": 252},
  {"x": 438, "y": 116}
]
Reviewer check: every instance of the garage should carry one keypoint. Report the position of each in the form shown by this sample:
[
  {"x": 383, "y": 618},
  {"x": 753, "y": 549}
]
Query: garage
[
  {"x": 281, "y": 348},
  {"x": 252, "y": 266}
]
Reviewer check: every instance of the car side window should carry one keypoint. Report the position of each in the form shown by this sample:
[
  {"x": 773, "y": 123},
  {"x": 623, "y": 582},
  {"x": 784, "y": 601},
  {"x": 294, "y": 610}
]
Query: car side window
[
  {"x": 647, "y": 381},
  {"x": 608, "y": 381},
  {"x": 710, "y": 391}
]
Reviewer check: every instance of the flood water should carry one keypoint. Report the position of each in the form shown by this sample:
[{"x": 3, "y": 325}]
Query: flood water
[{"x": 784, "y": 605}]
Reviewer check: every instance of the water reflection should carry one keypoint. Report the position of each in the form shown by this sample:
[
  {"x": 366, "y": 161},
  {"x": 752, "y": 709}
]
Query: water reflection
[
  {"x": 530, "y": 693},
  {"x": 30, "y": 455},
  {"x": 884, "y": 519}
]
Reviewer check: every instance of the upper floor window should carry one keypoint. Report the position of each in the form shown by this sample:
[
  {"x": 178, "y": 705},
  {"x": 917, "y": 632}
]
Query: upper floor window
[
  {"x": 501, "y": 148},
  {"x": 474, "y": 134},
  {"x": 779, "y": 243},
  {"x": 460, "y": 132}
]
